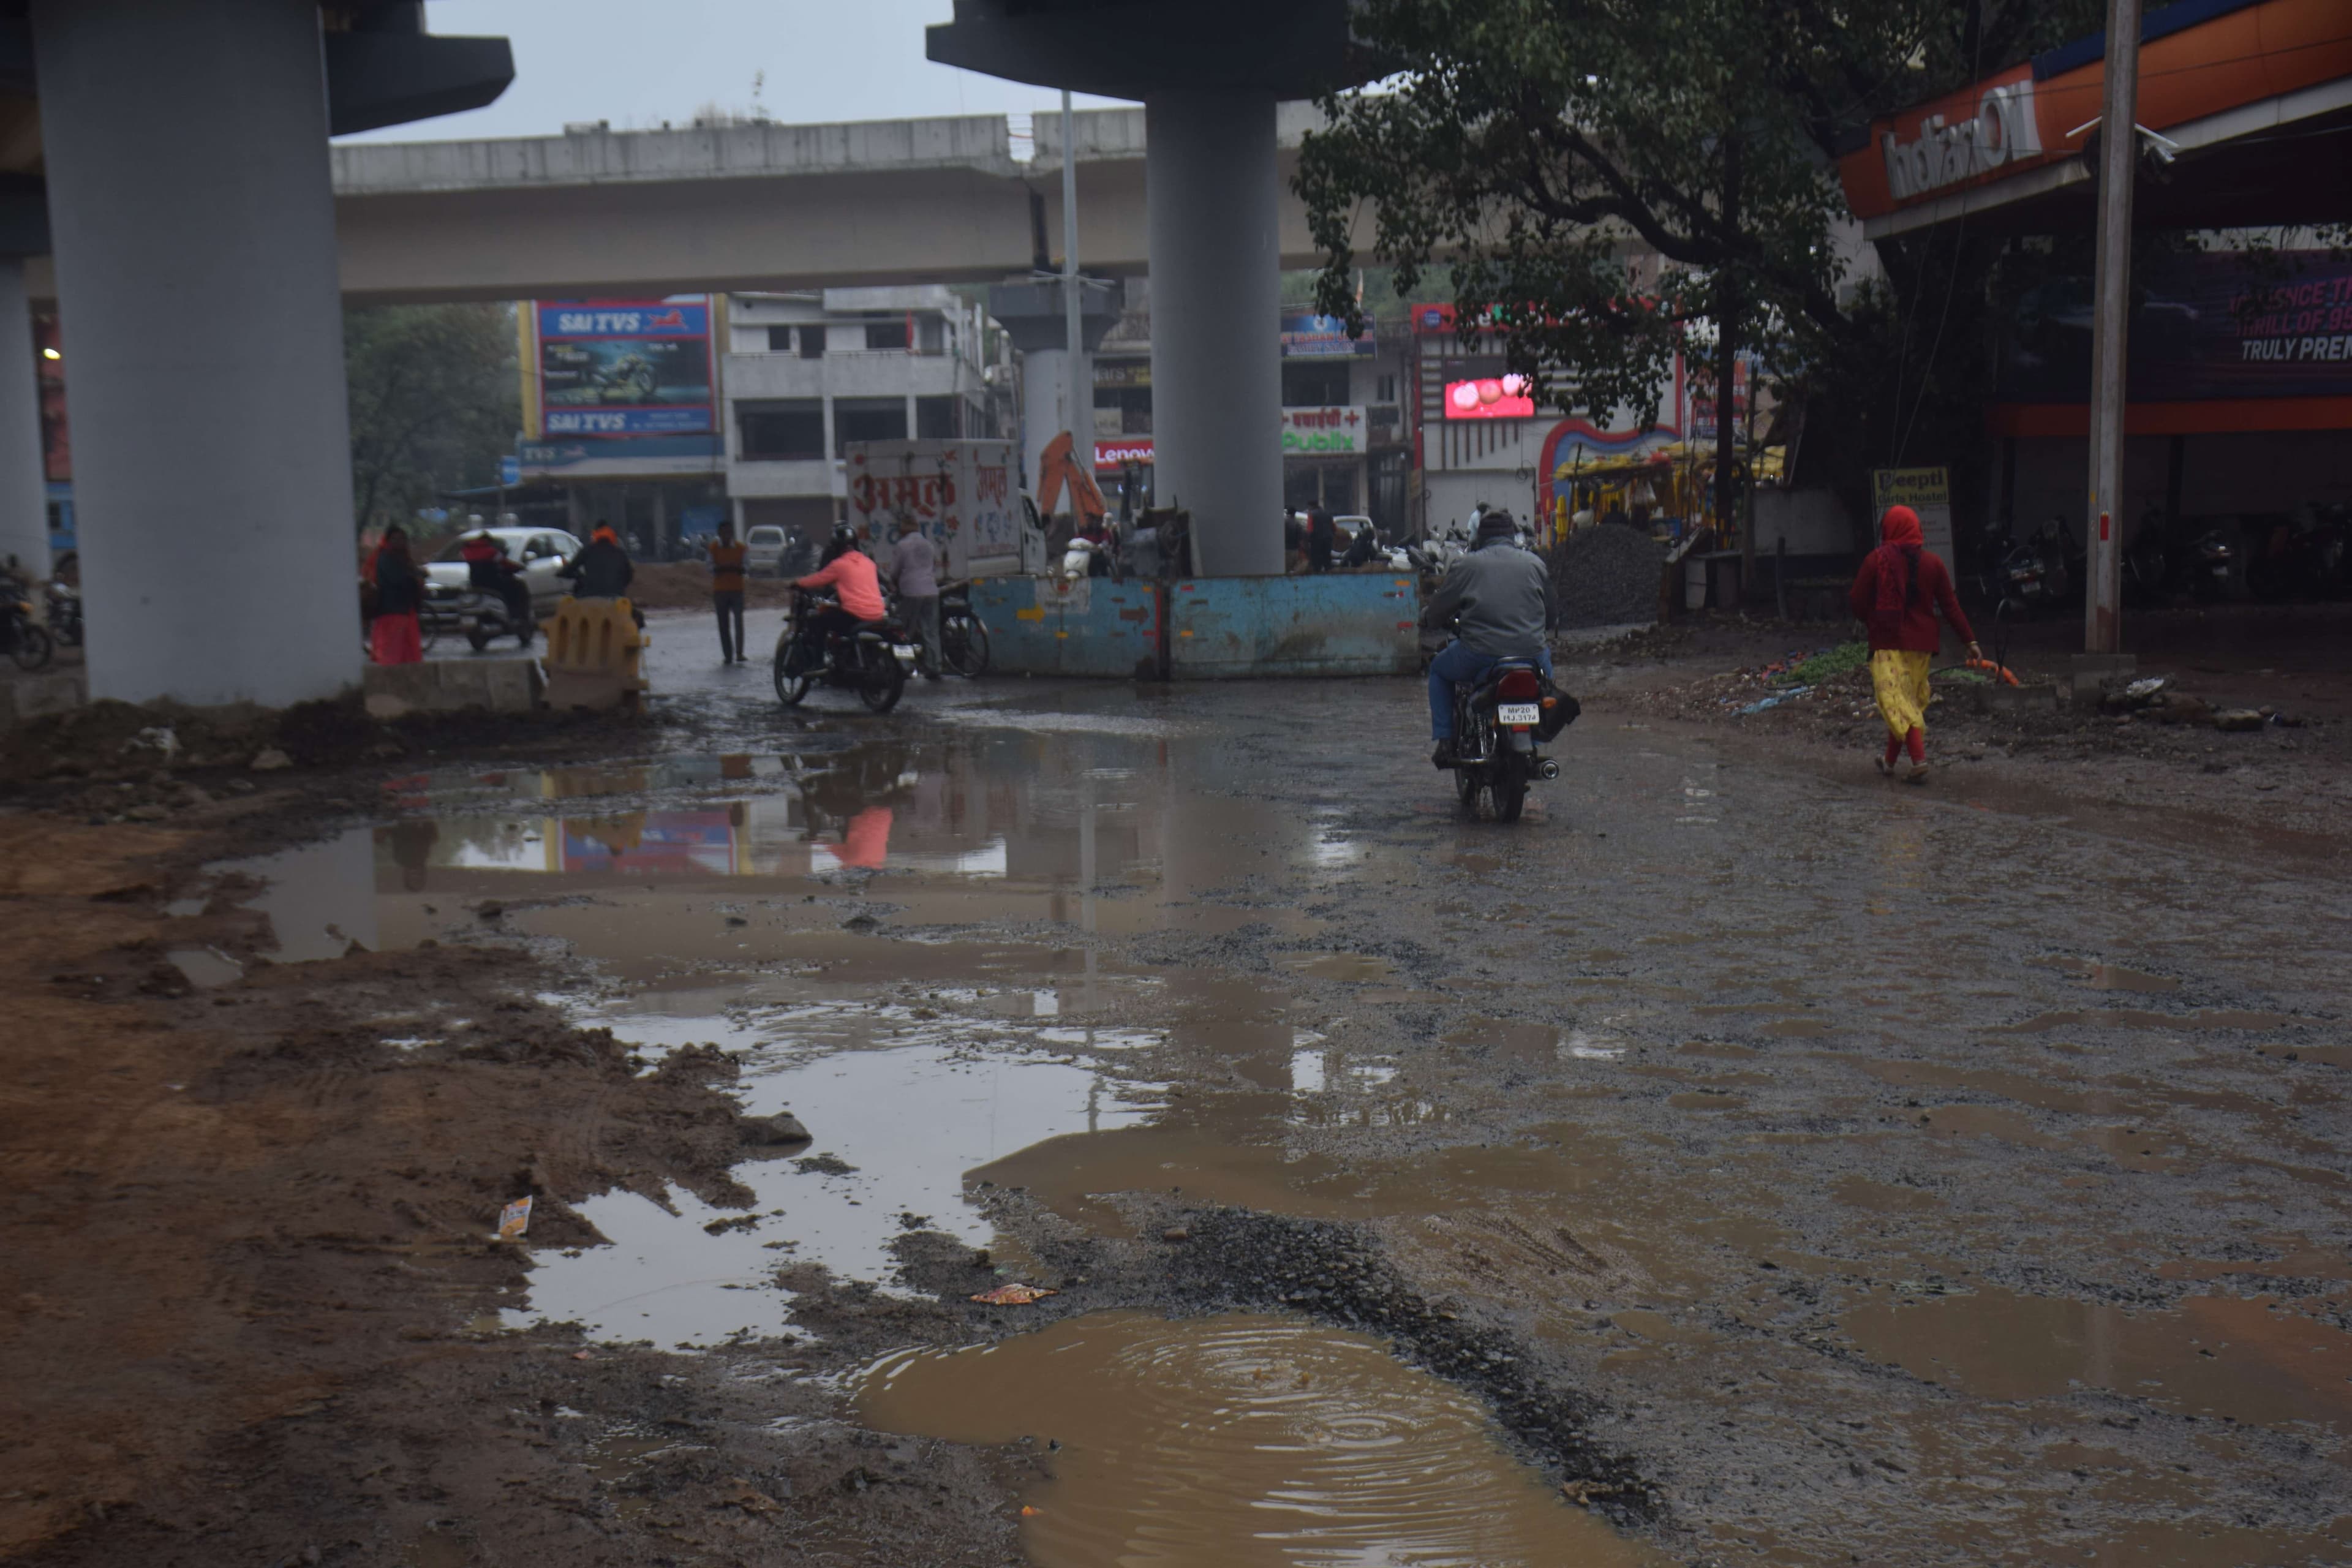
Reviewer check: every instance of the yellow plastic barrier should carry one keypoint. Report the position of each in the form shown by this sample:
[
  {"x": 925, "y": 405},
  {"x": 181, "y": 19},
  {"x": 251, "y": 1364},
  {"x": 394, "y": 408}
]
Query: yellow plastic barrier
[{"x": 595, "y": 655}]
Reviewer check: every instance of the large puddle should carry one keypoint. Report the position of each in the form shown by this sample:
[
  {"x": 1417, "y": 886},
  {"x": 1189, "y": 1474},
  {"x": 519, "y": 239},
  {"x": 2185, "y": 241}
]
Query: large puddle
[
  {"x": 2244, "y": 1359},
  {"x": 900, "y": 1128},
  {"x": 1251, "y": 1442},
  {"x": 907, "y": 944},
  {"x": 1085, "y": 830}
]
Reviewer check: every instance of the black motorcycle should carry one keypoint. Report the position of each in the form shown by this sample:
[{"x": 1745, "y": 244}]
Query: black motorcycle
[
  {"x": 21, "y": 638},
  {"x": 2202, "y": 568},
  {"x": 873, "y": 661},
  {"x": 1499, "y": 720},
  {"x": 65, "y": 614},
  {"x": 963, "y": 641},
  {"x": 478, "y": 614},
  {"x": 2017, "y": 580}
]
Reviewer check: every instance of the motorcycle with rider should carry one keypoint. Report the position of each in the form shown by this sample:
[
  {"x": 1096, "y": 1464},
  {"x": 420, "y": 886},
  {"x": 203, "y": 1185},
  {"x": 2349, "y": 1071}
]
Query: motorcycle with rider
[
  {"x": 841, "y": 631},
  {"x": 1491, "y": 702}
]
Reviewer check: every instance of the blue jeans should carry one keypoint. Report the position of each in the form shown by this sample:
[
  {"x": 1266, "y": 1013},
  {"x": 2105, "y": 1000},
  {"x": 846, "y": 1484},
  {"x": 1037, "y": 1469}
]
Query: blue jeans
[{"x": 1459, "y": 665}]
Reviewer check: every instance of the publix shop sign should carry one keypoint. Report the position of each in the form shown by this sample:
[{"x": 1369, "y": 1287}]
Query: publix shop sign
[{"x": 1323, "y": 432}]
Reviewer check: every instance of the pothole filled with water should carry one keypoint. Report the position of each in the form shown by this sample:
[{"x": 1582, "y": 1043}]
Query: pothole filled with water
[
  {"x": 896, "y": 1128},
  {"x": 1244, "y": 1441}
]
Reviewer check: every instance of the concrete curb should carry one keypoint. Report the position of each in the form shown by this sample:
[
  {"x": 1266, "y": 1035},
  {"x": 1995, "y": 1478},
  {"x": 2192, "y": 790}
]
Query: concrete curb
[{"x": 450, "y": 685}]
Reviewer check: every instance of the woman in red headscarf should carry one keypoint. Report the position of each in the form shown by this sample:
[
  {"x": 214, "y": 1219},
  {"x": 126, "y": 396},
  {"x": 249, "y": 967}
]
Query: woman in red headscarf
[
  {"x": 394, "y": 636},
  {"x": 1896, "y": 593}
]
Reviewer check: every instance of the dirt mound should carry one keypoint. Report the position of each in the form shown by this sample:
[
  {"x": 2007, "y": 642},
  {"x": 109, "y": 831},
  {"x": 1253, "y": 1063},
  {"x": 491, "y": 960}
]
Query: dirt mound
[
  {"x": 164, "y": 747},
  {"x": 1607, "y": 576}
]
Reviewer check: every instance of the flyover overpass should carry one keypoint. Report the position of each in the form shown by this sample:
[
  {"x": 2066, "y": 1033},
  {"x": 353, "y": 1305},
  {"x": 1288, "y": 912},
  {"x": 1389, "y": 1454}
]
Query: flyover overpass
[{"x": 745, "y": 207}]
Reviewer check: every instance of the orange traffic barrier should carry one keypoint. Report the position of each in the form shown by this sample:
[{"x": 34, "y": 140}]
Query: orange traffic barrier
[{"x": 595, "y": 654}]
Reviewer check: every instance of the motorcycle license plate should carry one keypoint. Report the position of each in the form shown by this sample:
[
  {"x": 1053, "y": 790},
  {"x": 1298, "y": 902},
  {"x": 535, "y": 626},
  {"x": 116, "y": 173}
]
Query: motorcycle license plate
[
  {"x": 1519, "y": 713},
  {"x": 903, "y": 649}
]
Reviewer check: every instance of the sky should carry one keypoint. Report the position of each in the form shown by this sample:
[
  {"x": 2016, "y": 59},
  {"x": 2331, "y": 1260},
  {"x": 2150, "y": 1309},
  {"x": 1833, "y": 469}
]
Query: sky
[{"x": 639, "y": 62}]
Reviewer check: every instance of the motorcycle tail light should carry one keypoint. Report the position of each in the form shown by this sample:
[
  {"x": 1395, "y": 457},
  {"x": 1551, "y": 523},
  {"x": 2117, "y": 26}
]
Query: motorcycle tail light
[{"x": 1518, "y": 686}]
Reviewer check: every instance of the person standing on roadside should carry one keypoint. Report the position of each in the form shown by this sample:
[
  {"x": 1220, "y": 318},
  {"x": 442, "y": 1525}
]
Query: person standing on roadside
[
  {"x": 1322, "y": 535},
  {"x": 1901, "y": 586},
  {"x": 726, "y": 593},
  {"x": 394, "y": 636},
  {"x": 915, "y": 578}
]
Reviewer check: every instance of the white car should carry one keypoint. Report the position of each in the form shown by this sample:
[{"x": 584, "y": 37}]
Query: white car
[
  {"x": 541, "y": 550},
  {"x": 764, "y": 550}
]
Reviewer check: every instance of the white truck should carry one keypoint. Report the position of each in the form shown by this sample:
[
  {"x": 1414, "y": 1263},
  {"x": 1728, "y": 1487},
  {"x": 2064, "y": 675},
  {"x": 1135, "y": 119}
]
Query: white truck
[{"x": 965, "y": 495}]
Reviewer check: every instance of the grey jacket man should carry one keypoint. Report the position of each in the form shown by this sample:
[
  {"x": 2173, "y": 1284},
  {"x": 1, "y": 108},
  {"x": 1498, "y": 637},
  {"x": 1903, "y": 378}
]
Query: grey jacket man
[{"x": 1503, "y": 595}]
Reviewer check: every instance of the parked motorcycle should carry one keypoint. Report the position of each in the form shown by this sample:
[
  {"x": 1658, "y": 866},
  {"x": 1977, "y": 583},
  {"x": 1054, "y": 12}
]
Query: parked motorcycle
[
  {"x": 873, "y": 661},
  {"x": 963, "y": 641},
  {"x": 23, "y": 639},
  {"x": 2144, "y": 563},
  {"x": 65, "y": 614},
  {"x": 479, "y": 615},
  {"x": 2018, "y": 581},
  {"x": 1499, "y": 721},
  {"x": 2202, "y": 569}
]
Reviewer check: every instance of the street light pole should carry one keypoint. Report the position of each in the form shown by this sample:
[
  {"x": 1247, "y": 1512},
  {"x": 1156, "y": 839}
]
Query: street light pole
[
  {"x": 2118, "y": 160},
  {"x": 1080, "y": 392}
]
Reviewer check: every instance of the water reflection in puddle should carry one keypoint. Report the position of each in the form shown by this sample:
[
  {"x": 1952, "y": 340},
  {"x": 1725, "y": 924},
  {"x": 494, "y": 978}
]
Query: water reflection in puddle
[
  {"x": 901, "y": 1126},
  {"x": 1243, "y": 1441},
  {"x": 1096, "y": 829}
]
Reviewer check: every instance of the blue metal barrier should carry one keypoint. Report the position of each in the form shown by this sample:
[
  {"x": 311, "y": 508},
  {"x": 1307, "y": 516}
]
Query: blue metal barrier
[
  {"x": 1042, "y": 626},
  {"x": 1342, "y": 623},
  {"x": 1219, "y": 628}
]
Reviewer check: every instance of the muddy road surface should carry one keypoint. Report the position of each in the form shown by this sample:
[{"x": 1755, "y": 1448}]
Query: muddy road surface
[{"x": 1737, "y": 1160}]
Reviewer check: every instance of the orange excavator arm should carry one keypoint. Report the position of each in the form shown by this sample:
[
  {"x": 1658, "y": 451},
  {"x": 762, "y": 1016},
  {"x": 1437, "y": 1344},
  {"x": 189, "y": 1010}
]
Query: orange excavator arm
[{"x": 1058, "y": 466}]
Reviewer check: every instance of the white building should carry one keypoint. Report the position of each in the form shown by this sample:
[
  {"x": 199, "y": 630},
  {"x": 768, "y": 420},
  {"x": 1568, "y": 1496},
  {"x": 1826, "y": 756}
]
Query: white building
[{"x": 803, "y": 374}]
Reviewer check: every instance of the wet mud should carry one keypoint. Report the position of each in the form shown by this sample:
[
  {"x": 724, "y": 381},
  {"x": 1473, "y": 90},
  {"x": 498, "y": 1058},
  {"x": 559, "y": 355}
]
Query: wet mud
[{"x": 1732, "y": 1162}]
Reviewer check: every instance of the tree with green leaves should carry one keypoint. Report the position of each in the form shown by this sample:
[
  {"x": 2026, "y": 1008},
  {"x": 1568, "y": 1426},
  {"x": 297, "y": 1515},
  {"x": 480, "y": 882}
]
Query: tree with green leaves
[
  {"x": 434, "y": 402},
  {"x": 1610, "y": 181}
]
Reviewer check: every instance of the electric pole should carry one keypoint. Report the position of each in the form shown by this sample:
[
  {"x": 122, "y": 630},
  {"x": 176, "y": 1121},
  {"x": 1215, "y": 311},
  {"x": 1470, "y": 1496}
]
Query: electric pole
[
  {"x": 1080, "y": 391},
  {"x": 2118, "y": 160}
]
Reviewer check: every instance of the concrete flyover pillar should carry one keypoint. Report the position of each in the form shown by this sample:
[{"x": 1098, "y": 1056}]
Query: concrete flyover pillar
[
  {"x": 194, "y": 228},
  {"x": 24, "y": 496},
  {"x": 1212, "y": 212}
]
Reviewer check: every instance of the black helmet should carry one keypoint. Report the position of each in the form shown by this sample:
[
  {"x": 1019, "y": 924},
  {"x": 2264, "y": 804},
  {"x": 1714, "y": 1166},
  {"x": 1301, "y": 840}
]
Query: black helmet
[{"x": 844, "y": 533}]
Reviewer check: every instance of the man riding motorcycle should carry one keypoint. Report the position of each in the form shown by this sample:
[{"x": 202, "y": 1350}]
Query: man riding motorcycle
[
  {"x": 850, "y": 573},
  {"x": 1498, "y": 598},
  {"x": 490, "y": 570}
]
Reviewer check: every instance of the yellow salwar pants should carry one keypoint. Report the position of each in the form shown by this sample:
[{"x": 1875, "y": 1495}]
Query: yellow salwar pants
[{"x": 1899, "y": 680}]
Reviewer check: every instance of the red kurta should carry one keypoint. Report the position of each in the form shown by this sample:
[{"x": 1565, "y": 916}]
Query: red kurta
[{"x": 1914, "y": 631}]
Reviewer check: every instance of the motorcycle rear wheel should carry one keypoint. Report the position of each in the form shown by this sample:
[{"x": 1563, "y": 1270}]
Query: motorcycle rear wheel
[
  {"x": 881, "y": 682},
  {"x": 1508, "y": 787}
]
